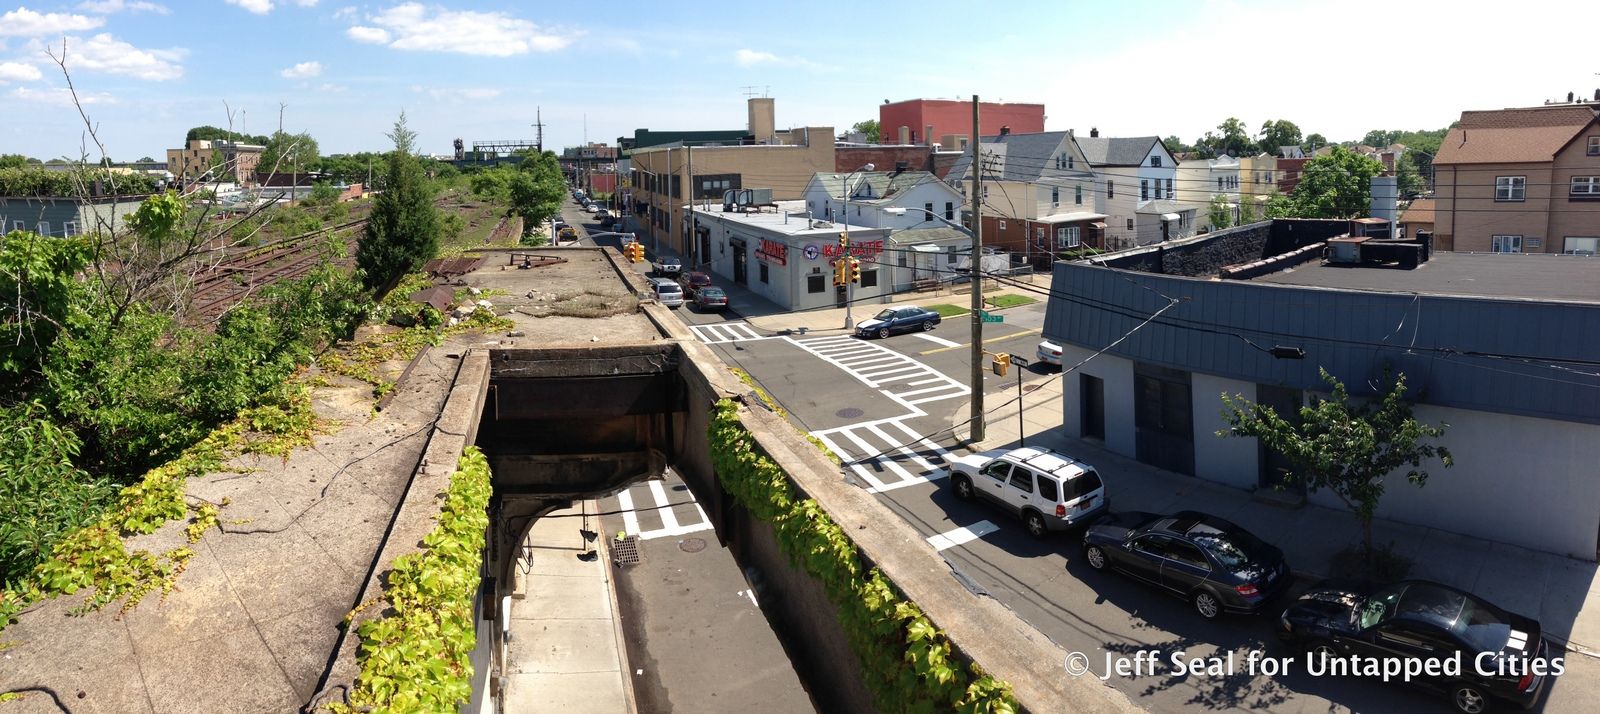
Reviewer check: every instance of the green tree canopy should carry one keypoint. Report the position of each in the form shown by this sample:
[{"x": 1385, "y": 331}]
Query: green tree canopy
[
  {"x": 211, "y": 133},
  {"x": 1336, "y": 185},
  {"x": 289, "y": 154},
  {"x": 1278, "y": 132},
  {"x": 403, "y": 230},
  {"x": 1233, "y": 141},
  {"x": 870, "y": 128},
  {"x": 1221, "y": 213},
  {"x": 1315, "y": 141},
  {"x": 13, "y": 161},
  {"x": 536, "y": 189}
]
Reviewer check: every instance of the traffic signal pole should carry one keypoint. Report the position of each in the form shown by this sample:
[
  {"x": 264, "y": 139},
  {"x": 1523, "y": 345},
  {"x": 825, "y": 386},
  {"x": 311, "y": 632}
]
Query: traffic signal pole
[{"x": 975, "y": 269}]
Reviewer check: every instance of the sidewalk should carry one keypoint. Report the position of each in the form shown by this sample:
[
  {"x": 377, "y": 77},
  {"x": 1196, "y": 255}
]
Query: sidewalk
[
  {"x": 1562, "y": 593},
  {"x": 565, "y": 651}
]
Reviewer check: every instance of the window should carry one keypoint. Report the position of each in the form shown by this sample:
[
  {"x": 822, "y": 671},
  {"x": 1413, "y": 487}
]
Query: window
[
  {"x": 815, "y": 283},
  {"x": 1187, "y": 553},
  {"x": 44, "y": 228},
  {"x": 869, "y": 278},
  {"x": 1594, "y": 146},
  {"x": 1219, "y": 183},
  {"x": 1111, "y": 189},
  {"x": 1510, "y": 188},
  {"x": 928, "y": 207},
  {"x": 70, "y": 228},
  {"x": 1586, "y": 185},
  {"x": 997, "y": 470},
  {"x": 1144, "y": 189},
  {"x": 949, "y": 210},
  {"x": 762, "y": 269},
  {"x": 714, "y": 186},
  {"x": 1130, "y": 224},
  {"x": 1576, "y": 245},
  {"x": 1077, "y": 195},
  {"x": 1040, "y": 233},
  {"x": 1086, "y": 483},
  {"x": 1506, "y": 244},
  {"x": 1048, "y": 490},
  {"x": 985, "y": 193},
  {"x": 1055, "y": 195},
  {"x": 1022, "y": 480},
  {"x": 1154, "y": 545},
  {"x": 1169, "y": 188},
  {"x": 1155, "y": 162},
  {"x": 1002, "y": 224},
  {"x": 1067, "y": 237},
  {"x": 1071, "y": 161},
  {"x": 19, "y": 226}
]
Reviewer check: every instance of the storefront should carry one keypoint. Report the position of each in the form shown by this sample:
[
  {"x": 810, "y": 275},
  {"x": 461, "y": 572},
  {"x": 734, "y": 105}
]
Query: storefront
[{"x": 788, "y": 258}]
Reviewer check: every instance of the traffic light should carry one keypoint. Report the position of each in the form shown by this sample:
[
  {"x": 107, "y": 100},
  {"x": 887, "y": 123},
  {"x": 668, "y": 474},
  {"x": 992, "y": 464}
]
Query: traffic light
[
  {"x": 844, "y": 242},
  {"x": 634, "y": 252},
  {"x": 840, "y": 272},
  {"x": 1001, "y": 364},
  {"x": 855, "y": 270}
]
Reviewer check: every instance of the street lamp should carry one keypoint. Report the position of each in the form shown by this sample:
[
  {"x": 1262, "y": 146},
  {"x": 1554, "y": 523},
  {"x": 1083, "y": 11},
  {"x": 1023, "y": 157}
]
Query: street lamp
[{"x": 844, "y": 254}]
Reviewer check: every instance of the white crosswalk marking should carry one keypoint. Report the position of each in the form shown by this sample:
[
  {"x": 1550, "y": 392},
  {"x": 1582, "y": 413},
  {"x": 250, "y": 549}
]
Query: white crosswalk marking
[
  {"x": 942, "y": 342},
  {"x": 899, "y": 456},
  {"x": 880, "y": 367},
  {"x": 658, "y": 508},
  {"x": 958, "y": 536},
  {"x": 721, "y": 332}
]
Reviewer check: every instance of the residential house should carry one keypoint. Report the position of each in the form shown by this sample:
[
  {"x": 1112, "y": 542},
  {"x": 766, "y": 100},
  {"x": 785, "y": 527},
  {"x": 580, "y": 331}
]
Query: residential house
[
  {"x": 1417, "y": 217},
  {"x": 780, "y": 162},
  {"x": 1259, "y": 181},
  {"x": 194, "y": 163},
  {"x": 883, "y": 199},
  {"x": 65, "y": 215},
  {"x": 929, "y": 121},
  {"x": 1520, "y": 181},
  {"x": 1137, "y": 178},
  {"x": 1039, "y": 195},
  {"x": 1201, "y": 181}
]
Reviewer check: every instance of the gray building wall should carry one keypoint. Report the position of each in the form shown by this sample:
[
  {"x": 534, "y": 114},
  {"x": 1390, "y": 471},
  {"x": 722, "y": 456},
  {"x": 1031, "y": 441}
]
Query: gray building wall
[{"x": 56, "y": 212}]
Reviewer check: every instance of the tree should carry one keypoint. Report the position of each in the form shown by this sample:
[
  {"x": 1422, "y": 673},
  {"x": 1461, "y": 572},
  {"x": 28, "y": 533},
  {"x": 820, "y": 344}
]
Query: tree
[
  {"x": 1337, "y": 185},
  {"x": 1221, "y": 213},
  {"x": 403, "y": 230},
  {"x": 1278, "y": 132},
  {"x": 1314, "y": 141},
  {"x": 1406, "y": 175},
  {"x": 288, "y": 153},
  {"x": 1234, "y": 140},
  {"x": 146, "y": 160},
  {"x": 537, "y": 189},
  {"x": 13, "y": 161},
  {"x": 1379, "y": 138},
  {"x": 211, "y": 133},
  {"x": 1347, "y": 447},
  {"x": 1176, "y": 145},
  {"x": 870, "y": 128}
]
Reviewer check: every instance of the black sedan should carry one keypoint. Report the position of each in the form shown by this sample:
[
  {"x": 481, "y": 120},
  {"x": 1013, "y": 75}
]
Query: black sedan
[
  {"x": 1217, "y": 566},
  {"x": 1481, "y": 653},
  {"x": 899, "y": 319}
]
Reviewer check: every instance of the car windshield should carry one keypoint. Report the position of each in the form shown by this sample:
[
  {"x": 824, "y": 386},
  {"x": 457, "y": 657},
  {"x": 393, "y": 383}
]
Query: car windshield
[
  {"x": 1235, "y": 550},
  {"x": 712, "y": 292},
  {"x": 884, "y": 315},
  {"x": 1476, "y": 623},
  {"x": 1378, "y": 607}
]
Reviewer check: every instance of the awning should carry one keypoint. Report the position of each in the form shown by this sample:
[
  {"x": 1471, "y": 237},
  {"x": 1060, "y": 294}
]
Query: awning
[
  {"x": 1101, "y": 226},
  {"x": 1170, "y": 217},
  {"x": 927, "y": 248},
  {"x": 1070, "y": 217}
]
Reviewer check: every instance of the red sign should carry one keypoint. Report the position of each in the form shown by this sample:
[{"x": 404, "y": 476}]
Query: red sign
[
  {"x": 864, "y": 249},
  {"x": 771, "y": 251}
]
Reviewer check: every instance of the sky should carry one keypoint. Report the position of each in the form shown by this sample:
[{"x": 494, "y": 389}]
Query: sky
[{"x": 146, "y": 71}]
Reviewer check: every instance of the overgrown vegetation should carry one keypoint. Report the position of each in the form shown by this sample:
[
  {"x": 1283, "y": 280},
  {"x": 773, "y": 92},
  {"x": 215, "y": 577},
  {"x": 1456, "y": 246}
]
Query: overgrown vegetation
[
  {"x": 533, "y": 188},
  {"x": 415, "y": 657},
  {"x": 403, "y": 231},
  {"x": 908, "y": 662},
  {"x": 36, "y": 181}
]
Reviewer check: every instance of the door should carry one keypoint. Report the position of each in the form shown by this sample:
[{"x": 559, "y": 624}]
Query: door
[
  {"x": 1274, "y": 466},
  {"x": 1186, "y": 567},
  {"x": 992, "y": 480},
  {"x": 739, "y": 267},
  {"x": 1145, "y": 556},
  {"x": 1163, "y": 418},
  {"x": 1092, "y": 394},
  {"x": 1020, "y": 491}
]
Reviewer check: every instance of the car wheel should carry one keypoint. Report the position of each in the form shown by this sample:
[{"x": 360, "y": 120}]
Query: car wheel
[
  {"x": 1469, "y": 699},
  {"x": 927, "y": 326},
  {"x": 1322, "y": 650},
  {"x": 1095, "y": 556},
  {"x": 883, "y": 334},
  {"x": 963, "y": 488},
  {"x": 1034, "y": 523},
  {"x": 1206, "y": 604}
]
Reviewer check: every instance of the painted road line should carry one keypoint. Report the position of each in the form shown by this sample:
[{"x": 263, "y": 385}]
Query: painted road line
[
  {"x": 630, "y": 520},
  {"x": 935, "y": 448},
  {"x": 924, "y": 390},
  {"x": 880, "y": 460},
  {"x": 927, "y": 466},
  {"x": 670, "y": 528},
  {"x": 958, "y": 536},
  {"x": 1029, "y": 331},
  {"x": 921, "y": 382},
  {"x": 872, "y": 481},
  {"x": 952, "y": 395},
  {"x": 669, "y": 520},
  {"x": 894, "y": 372},
  {"x": 937, "y": 340},
  {"x": 719, "y": 333}
]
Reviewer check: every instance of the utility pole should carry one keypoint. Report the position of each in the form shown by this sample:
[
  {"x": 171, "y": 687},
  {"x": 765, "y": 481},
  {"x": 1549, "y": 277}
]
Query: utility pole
[
  {"x": 694, "y": 223},
  {"x": 975, "y": 269},
  {"x": 538, "y": 125}
]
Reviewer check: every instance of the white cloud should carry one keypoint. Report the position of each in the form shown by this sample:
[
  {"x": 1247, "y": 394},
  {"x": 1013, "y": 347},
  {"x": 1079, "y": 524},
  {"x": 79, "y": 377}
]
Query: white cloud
[
  {"x": 23, "y": 22},
  {"x": 369, "y": 35},
  {"x": 104, "y": 53},
  {"x": 458, "y": 93},
  {"x": 59, "y": 96},
  {"x": 331, "y": 87},
  {"x": 18, "y": 72},
  {"x": 306, "y": 3},
  {"x": 752, "y": 58},
  {"x": 303, "y": 70},
  {"x": 344, "y": 12},
  {"x": 107, "y": 7},
  {"x": 413, "y": 26},
  {"x": 259, "y": 7}
]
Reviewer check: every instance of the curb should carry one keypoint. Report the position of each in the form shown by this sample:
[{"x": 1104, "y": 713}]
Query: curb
[{"x": 603, "y": 548}]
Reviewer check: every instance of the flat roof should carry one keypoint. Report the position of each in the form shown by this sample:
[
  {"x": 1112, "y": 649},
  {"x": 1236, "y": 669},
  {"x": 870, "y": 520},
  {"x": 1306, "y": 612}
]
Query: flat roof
[
  {"x": 1501, "y": 275},
  {"x": 788, "y": 219}
]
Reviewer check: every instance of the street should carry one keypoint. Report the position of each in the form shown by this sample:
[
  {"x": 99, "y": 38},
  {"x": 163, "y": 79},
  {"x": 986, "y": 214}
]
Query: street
[{"x": 890, "y": 403}]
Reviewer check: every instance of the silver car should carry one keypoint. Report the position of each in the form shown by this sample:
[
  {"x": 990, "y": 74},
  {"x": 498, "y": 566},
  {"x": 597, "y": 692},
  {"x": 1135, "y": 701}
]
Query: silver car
[
  {"x": 1047, "y": 490},
  {"x": 668, "y": 292}
]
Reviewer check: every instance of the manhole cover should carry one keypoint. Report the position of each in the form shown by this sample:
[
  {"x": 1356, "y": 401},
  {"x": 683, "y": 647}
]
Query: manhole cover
[
  {"x": 848, "y": 413},
  {"x": 625, "y": 551},
  {"x": 692, "y": 545},
  {"x": 1029, "y": 387}
]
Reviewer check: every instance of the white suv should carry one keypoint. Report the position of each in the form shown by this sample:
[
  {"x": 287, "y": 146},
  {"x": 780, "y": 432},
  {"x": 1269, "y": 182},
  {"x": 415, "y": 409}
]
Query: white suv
[{"x": 1049, "y": 491}]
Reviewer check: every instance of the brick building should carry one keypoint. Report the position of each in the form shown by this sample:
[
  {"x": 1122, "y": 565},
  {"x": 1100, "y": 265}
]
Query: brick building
[{"x": 928, "y": 121}]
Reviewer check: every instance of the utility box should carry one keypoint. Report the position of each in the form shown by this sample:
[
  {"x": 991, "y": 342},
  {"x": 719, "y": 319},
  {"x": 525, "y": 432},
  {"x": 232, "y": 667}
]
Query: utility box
[{"x": 1345, "y": 250}]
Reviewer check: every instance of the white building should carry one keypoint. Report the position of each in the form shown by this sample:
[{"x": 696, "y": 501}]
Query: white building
[
  {"x": 881, "y": 199},
  {"x": 784, "y": 256},
  {"x": 1133, "y": 172},
  {"x": 1201, "y": 181}
]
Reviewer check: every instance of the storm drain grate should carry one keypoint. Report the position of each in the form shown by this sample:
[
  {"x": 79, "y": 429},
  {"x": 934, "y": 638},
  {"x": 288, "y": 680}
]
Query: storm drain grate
[
  {"x": 625, "y": 551},
  {"x": 848, "y": 413}
]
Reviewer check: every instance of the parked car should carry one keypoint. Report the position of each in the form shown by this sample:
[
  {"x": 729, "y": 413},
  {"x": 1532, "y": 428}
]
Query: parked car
[
  {"x": 607, "y": 220},
  {"x": 1048, "y": 491},
  {"x": 592, "y": 207},
  {"x": 692, "y": 282},
  {"x": 898, "y": 319},
  {"x": 1049, "y": 352},
  {"x": 710, "y": 297},
  {"x": 668, "y": 292},
  {"x": 567, "y": 233},
  {"x": 667, "y": 265},
  {"x": 1420, "y": 620},
  {"x": 1216, "y": 565}
]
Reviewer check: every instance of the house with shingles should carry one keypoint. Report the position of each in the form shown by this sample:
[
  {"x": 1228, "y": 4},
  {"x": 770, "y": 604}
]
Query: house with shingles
[
  {"x": 1038, "y": 194},
  {"x": 1520, "y": 181},
  {"x": 883, "y": 199},
  {"x": 1137, "y": 177},
  {"x": 1201, "y": 181}
]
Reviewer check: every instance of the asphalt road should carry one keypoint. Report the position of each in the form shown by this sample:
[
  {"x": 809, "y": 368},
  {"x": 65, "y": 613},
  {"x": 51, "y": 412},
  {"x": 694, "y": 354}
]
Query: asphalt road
[{"x": 830, "y": 387}]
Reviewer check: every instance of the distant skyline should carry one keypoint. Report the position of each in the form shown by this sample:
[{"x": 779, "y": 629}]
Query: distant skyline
[{"x": 147, "y": 71}]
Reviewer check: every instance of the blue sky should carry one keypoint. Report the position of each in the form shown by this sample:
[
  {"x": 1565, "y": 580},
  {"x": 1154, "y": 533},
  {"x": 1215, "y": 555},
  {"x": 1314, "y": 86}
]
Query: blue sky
[{"x": 150, "y": 69}]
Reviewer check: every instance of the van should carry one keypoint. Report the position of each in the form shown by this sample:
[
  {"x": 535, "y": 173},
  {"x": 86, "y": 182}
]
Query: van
[{"x": 668, "y": 292}]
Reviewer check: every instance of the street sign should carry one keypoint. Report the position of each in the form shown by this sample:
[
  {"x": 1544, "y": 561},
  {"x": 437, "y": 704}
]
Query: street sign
[{"x": 991, "y": 318}]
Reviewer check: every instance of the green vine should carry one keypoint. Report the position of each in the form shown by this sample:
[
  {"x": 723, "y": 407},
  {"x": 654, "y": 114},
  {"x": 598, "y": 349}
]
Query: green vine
[
  {"x": 907, "y": 661},
  {"x": 415, "y": 657}
]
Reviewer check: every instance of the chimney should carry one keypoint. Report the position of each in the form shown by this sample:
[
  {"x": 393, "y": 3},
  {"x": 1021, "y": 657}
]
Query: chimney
[
  {"x": 1569, "y": 97},
  {"x": 927, "y": 131},
  {"x": 1597, "y": 95},
  {"x": 905, "y": 135},
  {"x": 763, "y": 122},
  {"x": 1094, "y": 132},
  {"x": 1004, "y": 130}
]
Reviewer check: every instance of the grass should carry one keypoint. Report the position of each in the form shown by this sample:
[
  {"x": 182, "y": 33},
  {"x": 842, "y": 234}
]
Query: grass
[
  {"x": 947, "y": 310},
  {"x": 1003, "y": 301}
]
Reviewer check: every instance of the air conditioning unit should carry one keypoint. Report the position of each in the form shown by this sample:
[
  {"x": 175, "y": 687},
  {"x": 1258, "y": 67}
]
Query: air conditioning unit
[{"x": 1345, "y": 250}]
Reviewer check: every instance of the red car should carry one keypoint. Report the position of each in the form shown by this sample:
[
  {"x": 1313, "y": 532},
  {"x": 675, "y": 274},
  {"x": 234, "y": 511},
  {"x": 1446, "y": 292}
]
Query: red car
[
  {"x": 711, "y": 297},
  {"x": 692, "y": 282}
]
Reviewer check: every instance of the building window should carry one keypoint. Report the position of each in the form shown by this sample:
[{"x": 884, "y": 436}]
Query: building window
[
  {"x": 1169, "y": 188},
  {"x": 44, "y": 228},
  {"x": 1510, "y": 188},
  {"x": 928, "y": 207},
  {"x": 1594, "y": 146},
  {"x": 1077, "y": 195},
  {"x": 1155, "y": 162},
  {"x": 19, "y": 226},
  {"x": 762, "y": 270},
  {"x": 715, "y": 186},
  {"x": 1506, "y": 244},
  {"x": 869, "y": 278},
  {"x": 1111, "y": 189},
  {"x": 985, "y": 193},
  {"x": 1071, "y": 161},
  {"x": 1002, "y": 224},
  {"x": 1067, "y": 237},
  {"x": 1219, "y": 183},
  {"x": 70, "y": 228},
  {"x": 1130, "y": 224},
  {"x": 1578, "y": 245},
  {"x": 1055, "y": 196},
  {"x": 815, "y": 283},
  {"x": 1144, "y": 190},
  {"x": 949, "y": 210},
  {"x": 1586, "y": 185}
]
